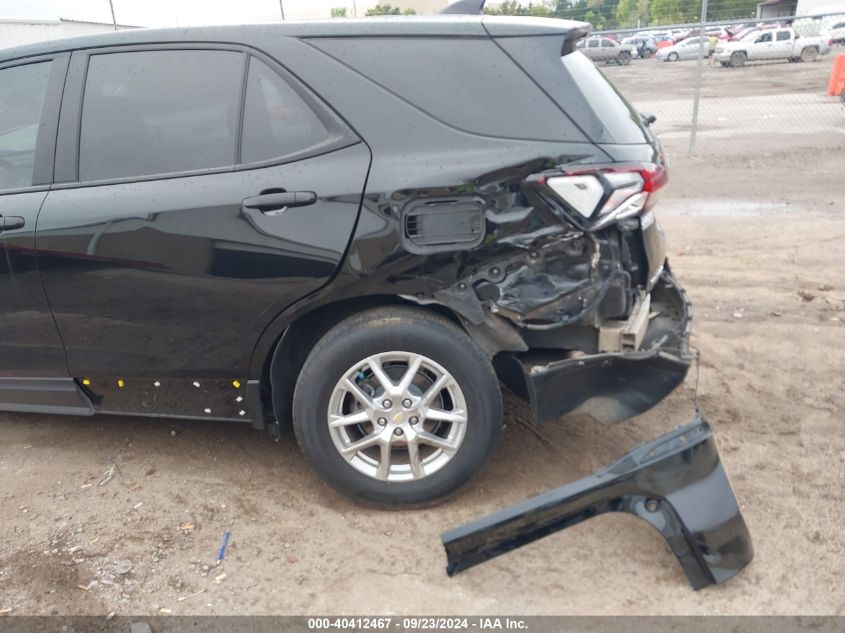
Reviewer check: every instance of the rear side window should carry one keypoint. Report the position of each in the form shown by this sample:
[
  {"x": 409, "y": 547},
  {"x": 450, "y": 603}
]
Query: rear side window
[
  {"x": 22, "y": 91},
  {"x": 277, "y": 122},
  {"x": 782, "y": 35},
  {"x": 579, "y": 88},
  {"x": 607, "y": 43},
  {"x": 469, "y": 84},
  {"x": 155, "y": 112}
]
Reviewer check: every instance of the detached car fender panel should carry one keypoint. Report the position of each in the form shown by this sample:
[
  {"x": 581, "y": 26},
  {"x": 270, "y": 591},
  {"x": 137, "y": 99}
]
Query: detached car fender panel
[{"x": 675, "y": 482}]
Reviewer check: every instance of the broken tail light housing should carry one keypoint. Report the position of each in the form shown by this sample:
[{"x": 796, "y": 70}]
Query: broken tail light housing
[{"x": 602, "y": 194}]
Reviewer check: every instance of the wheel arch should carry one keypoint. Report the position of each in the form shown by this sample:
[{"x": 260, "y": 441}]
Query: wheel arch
[{"x": 279, "y": 366}]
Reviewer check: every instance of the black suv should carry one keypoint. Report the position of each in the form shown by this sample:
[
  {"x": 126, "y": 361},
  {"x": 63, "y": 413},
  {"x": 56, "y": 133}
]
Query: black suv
[{"x": 358, "y": 226}]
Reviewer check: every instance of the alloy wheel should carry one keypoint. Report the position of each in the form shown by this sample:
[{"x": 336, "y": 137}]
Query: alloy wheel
[{"x": 397, "y": 416}]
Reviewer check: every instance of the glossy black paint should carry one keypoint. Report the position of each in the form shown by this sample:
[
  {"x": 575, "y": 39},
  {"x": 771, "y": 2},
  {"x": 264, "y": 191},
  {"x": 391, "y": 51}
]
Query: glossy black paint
[
  {"x": 184, "y": 277},
  {"x": 29, "y": 344},
  {"x": 176, "y": 277},
  {"x": 675, "y": 482},
  {"x": 44, "y": 395}
]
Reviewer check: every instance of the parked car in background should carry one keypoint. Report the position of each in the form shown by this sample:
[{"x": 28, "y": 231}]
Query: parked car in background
[
  {"x": 781, "y": 43},
  {"x": 641, "y": 43},
  {"x": 836, "y": 34},
  {"x": 720, "y": 32},
  {"x": 663, "y": 39},
  {"x": 686, "y": 49},
  {"x": 604, "y": 49}
]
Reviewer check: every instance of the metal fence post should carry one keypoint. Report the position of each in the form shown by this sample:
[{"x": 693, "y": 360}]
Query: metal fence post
[{"x": 698, "y": 72}]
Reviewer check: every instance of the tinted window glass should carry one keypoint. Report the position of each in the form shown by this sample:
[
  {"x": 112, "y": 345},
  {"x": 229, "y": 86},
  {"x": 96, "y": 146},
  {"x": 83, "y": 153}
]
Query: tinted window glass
[
  {"x": 22, "y": 91},
  {"x": 607, "y": 43},
  {"x": 469, "y": 84},
  {"x": 765, "y": 37},
  {"x": 155, "y": 112},
  {"x": 277, "y": 122},
  {"x": 579, "y": 88},
  {"x": 593, "y": 43},
  {"x": 783, "y": 35}
]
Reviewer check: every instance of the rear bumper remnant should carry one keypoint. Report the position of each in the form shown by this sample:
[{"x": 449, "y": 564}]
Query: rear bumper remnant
[
  {"x": 610, "y": 387},
  {"x": 675, "y": 482}
]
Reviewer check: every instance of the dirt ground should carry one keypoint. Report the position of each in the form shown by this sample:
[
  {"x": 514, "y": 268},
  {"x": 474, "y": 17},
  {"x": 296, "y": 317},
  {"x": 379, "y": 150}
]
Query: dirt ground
[{"x": 756, "y": 240}]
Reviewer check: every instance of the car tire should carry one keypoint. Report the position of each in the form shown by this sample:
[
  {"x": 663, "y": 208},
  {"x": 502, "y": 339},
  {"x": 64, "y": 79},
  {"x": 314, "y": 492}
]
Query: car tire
[
  {"x": 623, "y": 58},
  {"x": 738, "y": 59},
  {"x": 448, "y": 453},
  {"x": 809, "y": 54},
  {"x": 672, "y": 57}
]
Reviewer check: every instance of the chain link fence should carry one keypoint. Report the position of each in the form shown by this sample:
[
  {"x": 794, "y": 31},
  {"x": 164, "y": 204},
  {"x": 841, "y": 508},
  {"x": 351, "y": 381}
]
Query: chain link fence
[{"x": 761, "y": 88}]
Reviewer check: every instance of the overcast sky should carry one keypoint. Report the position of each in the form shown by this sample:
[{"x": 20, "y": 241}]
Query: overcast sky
[{"x": 175, "y": 12}]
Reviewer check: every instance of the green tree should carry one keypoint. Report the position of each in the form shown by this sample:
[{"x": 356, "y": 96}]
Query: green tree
[
  {"x": 600, "y": 13},
  {"x": 632, "y": 13},
  {"x": 409, "y": 12},
  {"x": 339, "y": 12},
  {"x": 666, "y": 12},
  {"x": 384, "y": 9}
]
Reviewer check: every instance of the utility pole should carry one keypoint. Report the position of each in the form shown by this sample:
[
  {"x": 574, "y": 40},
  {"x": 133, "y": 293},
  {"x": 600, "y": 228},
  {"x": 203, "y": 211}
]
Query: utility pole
[
  {"x": 702, "y": 38},
  {"x": 113, "y": 21},
  {"x": 281, "y": 8},
  {"x": 354, "y": 10}
]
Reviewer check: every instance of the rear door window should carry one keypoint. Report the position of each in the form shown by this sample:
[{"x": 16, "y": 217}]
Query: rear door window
[
  {"x": 782, "y": 35},
  {"x": 22, "y": 91},
  {"x": 277, "y": 121},
  {"x": 157, "y": 112},
  {"x": 466, "y": 83}
]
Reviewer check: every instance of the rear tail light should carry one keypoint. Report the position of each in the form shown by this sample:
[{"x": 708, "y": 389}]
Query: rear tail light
[{"x": 607, "y": 193}]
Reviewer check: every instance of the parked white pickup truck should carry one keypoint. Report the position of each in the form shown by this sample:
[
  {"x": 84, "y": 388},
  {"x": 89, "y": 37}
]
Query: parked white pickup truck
[{"x": 781, "y": 43}]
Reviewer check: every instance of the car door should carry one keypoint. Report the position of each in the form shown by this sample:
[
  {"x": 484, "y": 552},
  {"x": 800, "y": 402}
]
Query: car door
[
  {"x": 593, "y": 50},
  {"x": 608, "y": 49},
  {"x": 30, "y": 92},
  {"x": 689, "y": 48},
  {"x": 782, "y": 44},
  {"x": 200, "y": 191},
  {"x": 763, "y": 47}
]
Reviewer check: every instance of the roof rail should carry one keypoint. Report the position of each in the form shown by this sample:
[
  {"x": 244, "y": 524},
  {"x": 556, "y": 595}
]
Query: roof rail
[{"x": 464, "y": 7}]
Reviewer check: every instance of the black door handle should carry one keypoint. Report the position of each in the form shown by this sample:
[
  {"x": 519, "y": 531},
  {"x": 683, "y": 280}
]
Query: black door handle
[
  {"x": 11, "y": 222},
  {"x": 275, "y": 203}
]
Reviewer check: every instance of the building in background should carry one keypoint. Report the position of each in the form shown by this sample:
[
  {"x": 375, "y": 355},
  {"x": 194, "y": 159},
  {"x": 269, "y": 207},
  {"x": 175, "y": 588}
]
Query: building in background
[
  {"x": 780, "y": 8},
  {"x": 19, "y": 32}
]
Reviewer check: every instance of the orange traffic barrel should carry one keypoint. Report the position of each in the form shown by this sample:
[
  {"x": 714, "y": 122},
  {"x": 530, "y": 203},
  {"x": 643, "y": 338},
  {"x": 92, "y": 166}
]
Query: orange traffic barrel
[{"x": 837, "y": 76}]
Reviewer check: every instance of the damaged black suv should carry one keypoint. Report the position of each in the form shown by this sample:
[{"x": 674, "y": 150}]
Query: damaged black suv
[{"x": 357, "y": 226}]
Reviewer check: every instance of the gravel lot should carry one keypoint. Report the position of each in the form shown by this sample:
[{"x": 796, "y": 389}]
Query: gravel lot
[
  {"x": 763, "y": 108},
  {"x": 755, "y": 236}
]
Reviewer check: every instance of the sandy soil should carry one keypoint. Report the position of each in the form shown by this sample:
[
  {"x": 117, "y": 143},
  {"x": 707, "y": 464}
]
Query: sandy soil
[{"x": 759, "y": 248}]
